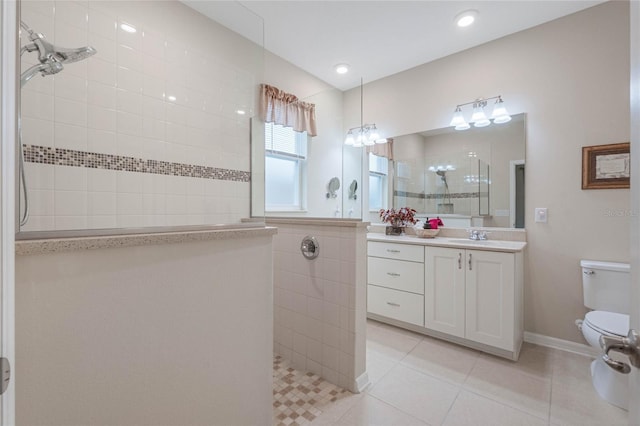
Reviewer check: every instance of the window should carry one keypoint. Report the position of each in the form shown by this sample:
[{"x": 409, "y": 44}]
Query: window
[
  {"x": 378, "y": 172},
  {"x": 285, "y": 167}
]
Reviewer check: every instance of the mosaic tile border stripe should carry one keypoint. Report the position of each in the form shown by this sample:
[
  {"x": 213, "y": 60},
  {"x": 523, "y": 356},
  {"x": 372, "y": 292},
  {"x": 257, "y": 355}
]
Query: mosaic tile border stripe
[
  {"x": 439, "y": 196},
  {"x": 73, "y": 158}
]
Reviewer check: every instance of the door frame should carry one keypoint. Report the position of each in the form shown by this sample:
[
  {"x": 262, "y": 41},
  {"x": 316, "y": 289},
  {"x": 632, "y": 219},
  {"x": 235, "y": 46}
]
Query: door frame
[
  {"x": 634, "y": 391},
  {"x": 8, "y": 130},
  {"x": 512, "y": 190}
]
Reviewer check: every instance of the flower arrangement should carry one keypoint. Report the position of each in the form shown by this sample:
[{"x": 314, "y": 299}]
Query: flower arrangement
[{"x": 402, "y": 217}]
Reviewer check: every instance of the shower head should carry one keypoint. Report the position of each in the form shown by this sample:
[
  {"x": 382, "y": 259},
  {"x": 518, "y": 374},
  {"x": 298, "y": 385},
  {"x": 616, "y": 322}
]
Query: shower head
[
  {"x": 48, "y": 68},
  {"x": 48, "y": 52},
  {"x": 443, "y": 176},
  {"x": 51, "y": 57}
]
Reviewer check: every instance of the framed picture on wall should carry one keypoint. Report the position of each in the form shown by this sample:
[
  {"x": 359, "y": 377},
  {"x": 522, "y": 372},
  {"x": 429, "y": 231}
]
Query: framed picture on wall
[{"x": 606, "y": 166}]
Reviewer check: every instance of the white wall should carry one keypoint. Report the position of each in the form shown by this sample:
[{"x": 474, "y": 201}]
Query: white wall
[
  {"x": 158, "y": 334},
  {"x": 117, "y": 103},
  {"x": 571, "y": 77}
]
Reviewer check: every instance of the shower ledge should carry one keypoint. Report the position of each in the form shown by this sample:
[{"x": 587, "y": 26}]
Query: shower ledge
[{"x": 57, "y": 245}]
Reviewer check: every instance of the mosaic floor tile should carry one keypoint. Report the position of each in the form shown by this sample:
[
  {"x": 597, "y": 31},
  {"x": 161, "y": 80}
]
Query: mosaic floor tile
[{"x": 299, "y": 397}]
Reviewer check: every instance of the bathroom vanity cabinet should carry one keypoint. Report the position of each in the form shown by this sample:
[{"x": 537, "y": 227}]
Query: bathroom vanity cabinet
[
  {"x": 471, "y": 296},
  {"x": 395, "y": 277}
]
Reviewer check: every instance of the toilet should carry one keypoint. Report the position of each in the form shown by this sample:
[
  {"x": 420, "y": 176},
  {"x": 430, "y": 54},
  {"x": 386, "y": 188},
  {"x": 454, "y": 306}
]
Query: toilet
[{"x": 606, "y": 288}]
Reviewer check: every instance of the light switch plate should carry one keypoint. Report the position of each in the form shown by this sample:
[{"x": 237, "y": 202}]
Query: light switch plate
[{"x": 541, "y": 214}]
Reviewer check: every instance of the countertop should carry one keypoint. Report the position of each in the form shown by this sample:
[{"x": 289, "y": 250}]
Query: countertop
[
  {"x": 53, "y": 245},
  {"x": 463, "y": 243}
]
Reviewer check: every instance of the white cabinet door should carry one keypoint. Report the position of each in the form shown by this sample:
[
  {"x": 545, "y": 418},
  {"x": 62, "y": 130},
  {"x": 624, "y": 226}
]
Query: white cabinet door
[
  {"x": 444, "y": 296},
  {"x": 490, "y": 298}
]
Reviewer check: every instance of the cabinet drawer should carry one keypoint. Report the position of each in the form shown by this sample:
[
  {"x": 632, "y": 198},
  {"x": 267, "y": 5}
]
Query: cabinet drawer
[
  {"x": 396, "y": 304},
  {"x": 396, "y": 251},
  {"x": 396, "y": 274}
]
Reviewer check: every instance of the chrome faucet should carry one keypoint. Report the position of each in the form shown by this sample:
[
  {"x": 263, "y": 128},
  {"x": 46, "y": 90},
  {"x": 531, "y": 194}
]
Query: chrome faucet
[{"x": 476, "y": 235}]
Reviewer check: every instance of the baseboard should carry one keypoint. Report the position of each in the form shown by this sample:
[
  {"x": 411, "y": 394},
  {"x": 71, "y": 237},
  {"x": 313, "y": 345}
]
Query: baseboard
[
  {"x": 563, "y": 345},
  {"x": 361, "y": 382}
]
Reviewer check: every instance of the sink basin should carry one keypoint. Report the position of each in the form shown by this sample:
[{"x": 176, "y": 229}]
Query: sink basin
[
  {"x": 479, "y": 242},
  {"x": 496, "y": 244}
]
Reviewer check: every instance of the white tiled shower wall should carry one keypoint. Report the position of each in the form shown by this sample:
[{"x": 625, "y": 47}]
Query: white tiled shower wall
[
  {"x": 168, "y": 92},
  {"x": 320, "y": 304}
]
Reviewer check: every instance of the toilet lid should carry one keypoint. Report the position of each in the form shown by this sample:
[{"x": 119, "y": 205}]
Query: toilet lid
[{"x": 608, "y": 322}]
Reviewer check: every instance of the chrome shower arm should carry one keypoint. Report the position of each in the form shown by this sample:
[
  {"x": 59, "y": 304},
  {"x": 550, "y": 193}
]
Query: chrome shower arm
[
  {"x": 25, "y": 27},
  {"x": 31, "y": 47}
]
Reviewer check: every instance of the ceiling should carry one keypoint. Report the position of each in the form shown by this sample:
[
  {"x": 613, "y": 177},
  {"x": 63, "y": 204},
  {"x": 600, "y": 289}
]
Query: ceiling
[{"x": 376, "y": 38}]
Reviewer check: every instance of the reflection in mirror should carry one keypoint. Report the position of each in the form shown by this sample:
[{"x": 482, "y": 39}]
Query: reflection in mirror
[
  {"x": 352, "y": 190},
  {"x": 332, "y": 187},
  {"x": 468, "y": 178}
]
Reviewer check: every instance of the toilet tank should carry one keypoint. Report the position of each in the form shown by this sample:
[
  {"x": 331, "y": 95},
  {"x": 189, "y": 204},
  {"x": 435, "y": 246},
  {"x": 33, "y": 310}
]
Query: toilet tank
[{"x": 606, "y": 286}]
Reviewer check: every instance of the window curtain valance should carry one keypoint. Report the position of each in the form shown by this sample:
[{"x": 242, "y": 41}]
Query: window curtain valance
[
  {"x": 382, "y": 150},
  {"x": 287, "y": 110}
]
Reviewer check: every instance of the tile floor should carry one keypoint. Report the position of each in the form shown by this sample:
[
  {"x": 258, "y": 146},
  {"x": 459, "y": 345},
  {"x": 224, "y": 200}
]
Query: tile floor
[
  {"x": 417, "y": 380},
  {"x": 299, "y": 397}
]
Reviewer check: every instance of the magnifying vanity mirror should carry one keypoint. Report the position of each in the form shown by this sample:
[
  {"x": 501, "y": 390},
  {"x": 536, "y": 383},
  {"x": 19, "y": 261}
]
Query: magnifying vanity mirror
[
  {"x": 467, "y": 178},
  {"x": 332, "y": 187},
  {"x": 353, "y": 188}
]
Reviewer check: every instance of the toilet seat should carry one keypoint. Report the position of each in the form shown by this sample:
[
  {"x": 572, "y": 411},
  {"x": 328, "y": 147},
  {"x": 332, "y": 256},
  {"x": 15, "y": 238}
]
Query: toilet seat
[{"x": 608, "y": 323}]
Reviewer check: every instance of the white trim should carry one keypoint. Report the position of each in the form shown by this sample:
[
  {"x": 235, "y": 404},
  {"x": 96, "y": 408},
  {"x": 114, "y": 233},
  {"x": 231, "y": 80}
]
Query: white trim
[
  {"x": 634, "y": 378},
  {"x": 8, "y": 120},
  {"x": 361, "y": 382},
  {"x": 563, "y": 345},
  {"x": 512, "y": 190}
]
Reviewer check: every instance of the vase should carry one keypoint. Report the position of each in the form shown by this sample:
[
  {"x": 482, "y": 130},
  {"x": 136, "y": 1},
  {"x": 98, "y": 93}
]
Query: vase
[{"x": 394, "y": 230}]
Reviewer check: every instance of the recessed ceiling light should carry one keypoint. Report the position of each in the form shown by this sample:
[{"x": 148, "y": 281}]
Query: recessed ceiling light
[
  {"x": 240, "y": 112},
  {"x": 128, "y": 28},
  {"x": 466, "y": 18},
  {"x": 342, "y": 68},
  {"x": 171, "y": 98}
]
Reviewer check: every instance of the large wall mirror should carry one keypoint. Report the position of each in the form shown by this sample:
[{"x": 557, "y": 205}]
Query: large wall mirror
[{"x": 468, "y": 178}]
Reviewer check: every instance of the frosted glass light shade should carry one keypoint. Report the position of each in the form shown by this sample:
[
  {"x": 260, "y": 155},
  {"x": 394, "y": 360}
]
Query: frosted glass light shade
[
  {"x": 359, "y": 139},
  {"x": 478, "y": 114},
  {"x": 482, "y": 123},
  {"x": 380, "y": 141},
  {"x": 457, "y": 119},
  {"x": 503, "y": 119},
  {"x": 463, "y": 126},
  {"x": 373, "y": 135},
  {"x": 500, "y": 114},
  {"x": 367, "y": 140},
  {"x": 349, "y": 140}
]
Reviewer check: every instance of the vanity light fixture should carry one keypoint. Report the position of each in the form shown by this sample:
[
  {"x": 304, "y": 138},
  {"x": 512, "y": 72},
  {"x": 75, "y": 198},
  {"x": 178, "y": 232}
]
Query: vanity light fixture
[
  {"x": 478, "y": 117},
  {"x": 365, "y": 134}
]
